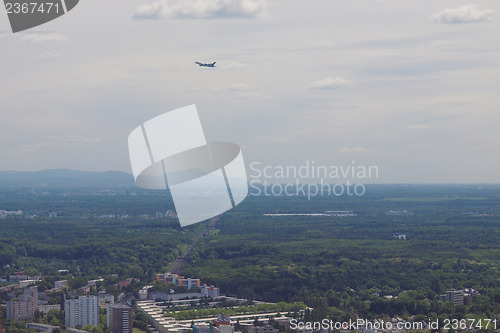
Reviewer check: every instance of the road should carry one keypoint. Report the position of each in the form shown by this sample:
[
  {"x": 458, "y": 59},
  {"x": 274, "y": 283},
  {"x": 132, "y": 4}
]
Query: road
[{"x": 181, "y": 260}]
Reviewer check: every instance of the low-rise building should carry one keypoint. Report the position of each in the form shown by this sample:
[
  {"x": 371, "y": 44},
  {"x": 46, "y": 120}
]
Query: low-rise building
[
  {"x": 60, "y": 284},
  {"x": 209, "y": 291},
  {"x": 454, "y": 296},
  {"x": 189, "y": 283},
  {"x": 125, "y": 282},
  {"x": 201, "y": 328},
  {"x": 264, "y": 329},
  {"x": 178, "y": 280},
  {"x": 40, "y": 327},
  {"x": 46, "y": 308},
  {"x": 25, "y": 283},
  {"x": 75, "y": 330},
  {"x": 143, "y": 293},
  {"x": 224, "y": 329},
  {"x": 93, "y": 283},
  {"x": 106, "y": 299},
  {"x": 18, "y": 276},
  {"x": 172, "y": 296}
]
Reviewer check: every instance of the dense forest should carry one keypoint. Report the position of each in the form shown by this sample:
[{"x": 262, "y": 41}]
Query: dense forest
[
  {"x": 342, "y": 266},
  {"x": 353, "y": 264}
]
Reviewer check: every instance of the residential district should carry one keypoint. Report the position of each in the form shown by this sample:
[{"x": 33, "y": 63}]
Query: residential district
[{"x": 158, "y": 310}]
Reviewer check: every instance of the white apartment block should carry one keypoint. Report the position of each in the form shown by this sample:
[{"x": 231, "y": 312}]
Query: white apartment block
[{"x": 82, "y": 311}]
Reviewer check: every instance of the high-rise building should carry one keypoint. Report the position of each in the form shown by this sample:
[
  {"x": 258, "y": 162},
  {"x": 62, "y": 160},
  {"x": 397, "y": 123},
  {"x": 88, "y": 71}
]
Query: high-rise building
[
  {"x": 71, "y": 312},
  {"x": 82, "y": 311},
  {"x": 119, "y": 318},
  {"x": 25, "y": 307}
]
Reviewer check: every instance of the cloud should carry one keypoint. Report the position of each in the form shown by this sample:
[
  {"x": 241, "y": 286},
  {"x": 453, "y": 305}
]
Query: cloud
[
  {"x": 42, "y": 37},
  {"x": 330, "y": 83},
  {"x": 463, "y": 14},
  {"x": 358, "y": 150},
  {"x": 201, "y": 9},
  {"x": 49, "y": 55}
]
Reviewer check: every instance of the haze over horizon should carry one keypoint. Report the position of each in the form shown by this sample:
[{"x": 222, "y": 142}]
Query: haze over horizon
[{"x": 410, "y": 88}]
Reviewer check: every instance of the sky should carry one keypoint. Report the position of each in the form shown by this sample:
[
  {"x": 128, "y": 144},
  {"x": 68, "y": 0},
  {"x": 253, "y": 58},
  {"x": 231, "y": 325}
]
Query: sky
[{"x": 411, "y": 87}]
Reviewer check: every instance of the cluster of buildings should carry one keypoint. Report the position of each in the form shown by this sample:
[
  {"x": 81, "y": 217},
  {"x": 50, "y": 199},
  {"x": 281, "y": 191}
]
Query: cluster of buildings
[
  {"x": 113, "y": 216},
  {"x": 203, "y": 291},
  {"x": 194, "y": 287},
  {"x": 79, "y": 312},
  {"x": 158, "y": 215},
  {"x": 399, "y": 213},
  {"x": 399, "y": 236},
  {"x": 24, "y": 306},
  {"x": 181, "y": 281},
  {"x": 23, "y": 279},
  {"x": 220, "y": 324},
  {"x": 18, "y": 213},
  {"x": 10, "y": 213},
  {"x": 85, "y": 311},
  {"x": 459, "y": 296},
  {"x": 168, "y": 215}
]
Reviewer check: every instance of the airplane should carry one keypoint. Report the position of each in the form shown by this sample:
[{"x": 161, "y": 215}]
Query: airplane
[{"x": 205, "y": 65}]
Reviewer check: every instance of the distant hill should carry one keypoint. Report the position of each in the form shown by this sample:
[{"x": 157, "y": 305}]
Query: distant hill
[{"x": 60, "y": 178}]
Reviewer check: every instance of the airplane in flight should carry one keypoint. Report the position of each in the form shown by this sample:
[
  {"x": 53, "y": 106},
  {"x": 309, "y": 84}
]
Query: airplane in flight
[{"x": 205, "y": 65}]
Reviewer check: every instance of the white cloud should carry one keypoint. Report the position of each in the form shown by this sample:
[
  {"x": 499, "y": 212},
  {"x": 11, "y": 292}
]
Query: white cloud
[
  {"x": 201, "y": 9},
  {"x": 330, "y": 83},
  {"x": 463, "y": 14},
  {"x": 359, "y": 150},
  {"x": 49, "y": 55},
  {"x": 41, "y": 37}
]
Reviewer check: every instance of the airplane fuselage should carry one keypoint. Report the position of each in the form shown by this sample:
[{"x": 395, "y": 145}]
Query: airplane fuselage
[{"x": 205, "y": 65}]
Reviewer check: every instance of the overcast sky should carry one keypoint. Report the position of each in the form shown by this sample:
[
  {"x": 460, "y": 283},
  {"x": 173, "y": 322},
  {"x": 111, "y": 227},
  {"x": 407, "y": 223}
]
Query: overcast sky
[{"x": 412, "y": 87}]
